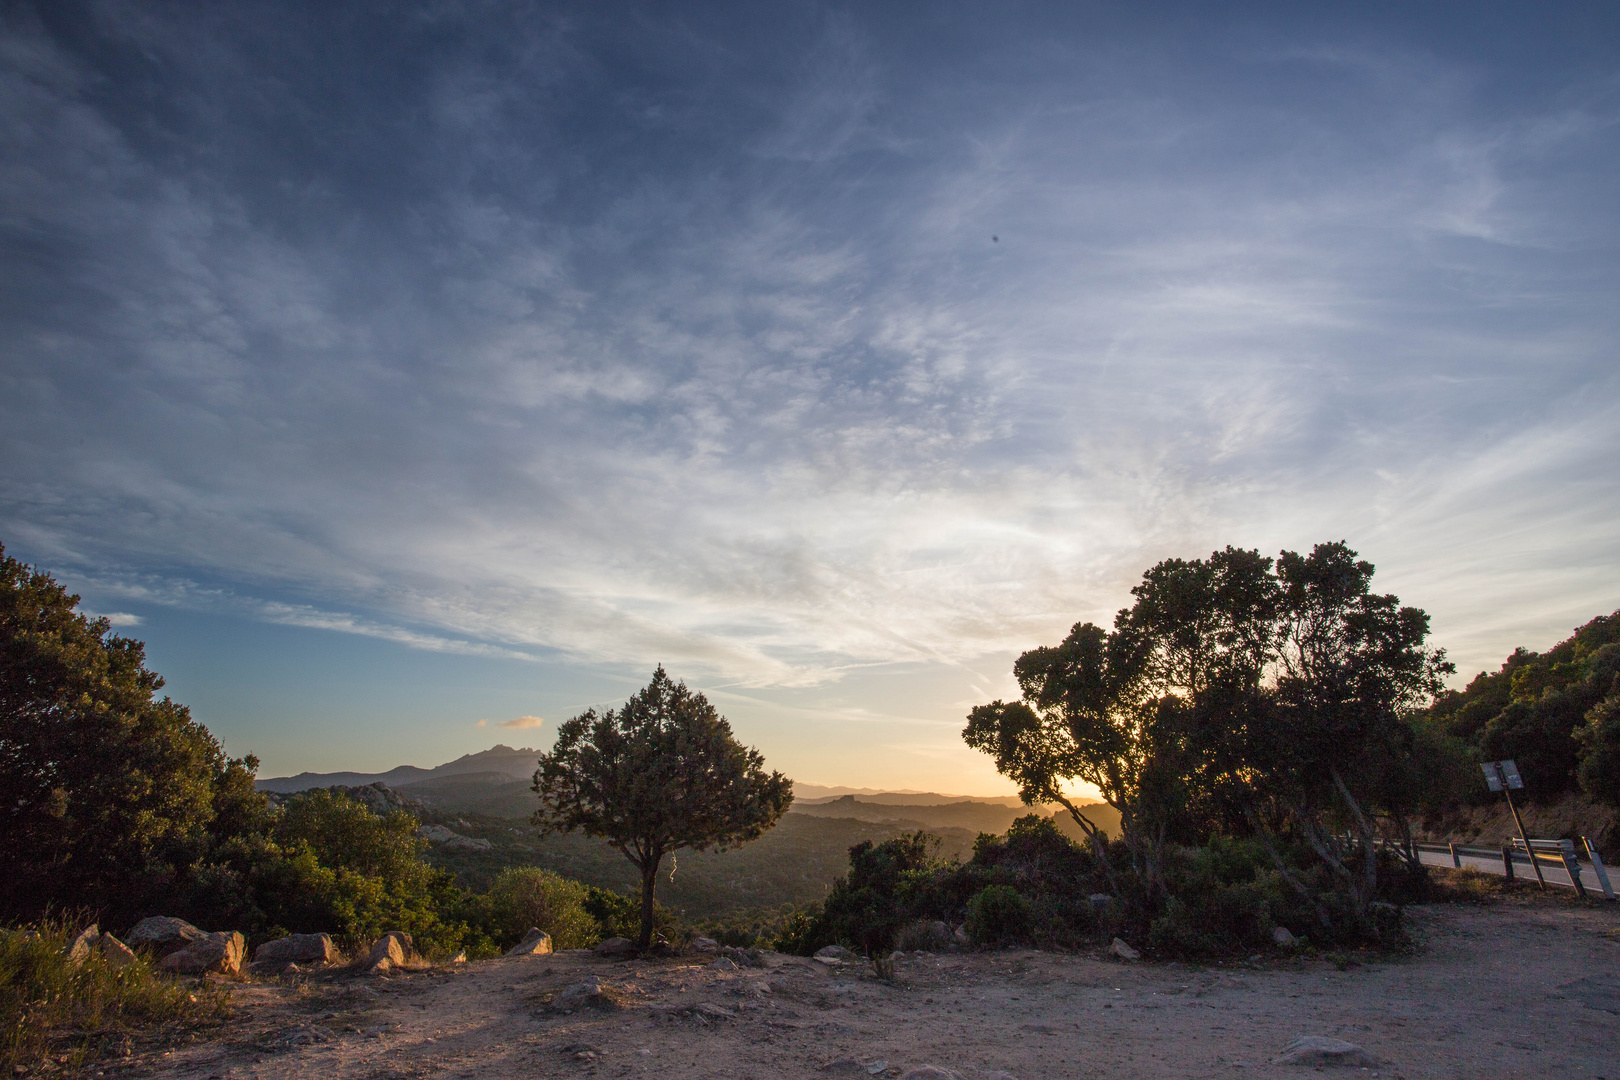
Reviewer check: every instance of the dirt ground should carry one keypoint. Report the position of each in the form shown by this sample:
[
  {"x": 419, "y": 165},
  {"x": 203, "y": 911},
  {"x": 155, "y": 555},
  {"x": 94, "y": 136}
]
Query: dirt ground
[{"x": 1500, "y": 990}]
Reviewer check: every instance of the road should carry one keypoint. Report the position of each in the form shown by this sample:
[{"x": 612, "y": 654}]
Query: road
[{"x": 1492, "y": 864}]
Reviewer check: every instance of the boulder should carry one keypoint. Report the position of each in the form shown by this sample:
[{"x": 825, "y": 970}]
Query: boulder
[
  {"x": 836, "y": 952},
  {"x": 1319, "y": 1050},
  {"x": 535, "y": 943},
  {"x": 724, "y": 963},
  {"x": 582, "y": 995},
  {"x": 930, "y": 1072},
  {"x": 1120, "y": 949},
  {"x": 297, "y": 949},
  {"x": 1281, "y": 935},
  {"x": 460, "y": 957},
  {"x": 615, "y": 947},
  {"x": 446, "y": 838},
  {"x": 220, "y": 953},
  {"x": 705, "y": 945},
  {"x": 390, "y": 951},
  {"x": 960, "y": 934},
  {"x": 77, "y": 951},
  {"x": 163, "y": 934},
  {"x": 744, "y": 957},
  {"x": 924, "y": 936},
  {"x": 115, "y": 952}
]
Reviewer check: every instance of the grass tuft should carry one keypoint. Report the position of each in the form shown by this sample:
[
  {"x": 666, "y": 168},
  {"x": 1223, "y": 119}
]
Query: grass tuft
[{"x": 66, "y": 1013}]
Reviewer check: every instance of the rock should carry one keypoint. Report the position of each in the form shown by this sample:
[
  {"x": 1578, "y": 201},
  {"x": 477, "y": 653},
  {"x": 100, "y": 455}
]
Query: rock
[
  {"x": 744, "y": 957},
  {"x": 298, "y": 948},
  {"x": 391, "y": 951},
  {"x": 836, "y": 952},
  {"x": 1319, "y": 1050},
  {"x": 844, "y": 1067},
  {"x": 713, "y": 1011},
  {"x": 535, "y": 943},
  {"x": 1281, "y": 935},
  {"x": 930, "y": 1072},
  {"x": 163, "y": 934},
  {"x": 460, "y": 957},
  {"x": 725, "y": 963},
  {"x": 999, "y": 1074},
  {"x": 615, "y": 948},
  {"x": 705, "y": 945},
  {"x": 219, "y": 953},
  {"x": 924, "y": 936},
  {"x": 438, "y": 834},
  {"x": 1100, "y": 901},
  {"x": 115, "y": 952},
  {"x": 582, "y": 995},
  {"x": 960, "y": 934},
  {"x": 1120, "y": 949},
  {"x": 77, "y": 951}
]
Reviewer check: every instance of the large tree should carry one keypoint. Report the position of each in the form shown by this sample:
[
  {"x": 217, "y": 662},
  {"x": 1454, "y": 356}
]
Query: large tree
[
  {"x": 107, "y": 794},
  {"x": 662, "y": 773}
]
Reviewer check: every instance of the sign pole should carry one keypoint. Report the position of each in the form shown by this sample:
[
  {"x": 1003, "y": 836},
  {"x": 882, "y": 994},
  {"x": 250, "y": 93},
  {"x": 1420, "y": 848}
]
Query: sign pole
[{"x": 1535, "y": 864}]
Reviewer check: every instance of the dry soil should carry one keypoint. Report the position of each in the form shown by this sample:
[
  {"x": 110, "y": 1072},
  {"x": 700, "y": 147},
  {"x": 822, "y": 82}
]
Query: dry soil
[{"x": 1500, "y": 990}]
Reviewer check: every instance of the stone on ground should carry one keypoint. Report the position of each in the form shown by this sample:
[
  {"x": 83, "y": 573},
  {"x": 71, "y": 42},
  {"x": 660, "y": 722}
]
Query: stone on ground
[
  {"x": 615, "y": 947},
  {"x": 582, "y": 995},
  {"x": 1320, "y": 1050},
  {"x": 391, "y": 951},
  {"x": 218, "y": 953},
  {"x": 1123, "y": 951},
  {"x": 835, "y": 952},
  {"x": 1281, "y": 935},
  {"x": 930, "y": 1072},
  {"x": 163, "y": 934},
  {"x": 297, "y": 949},
  {"x": 77, "y": 951},
  {"x": 535, "y": 943},
  {"x": 705, "y": 945},
  {"x": 116, "y": 953}
]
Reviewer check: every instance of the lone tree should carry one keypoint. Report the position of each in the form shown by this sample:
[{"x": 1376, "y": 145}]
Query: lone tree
[{"x": 659, "y": 774}]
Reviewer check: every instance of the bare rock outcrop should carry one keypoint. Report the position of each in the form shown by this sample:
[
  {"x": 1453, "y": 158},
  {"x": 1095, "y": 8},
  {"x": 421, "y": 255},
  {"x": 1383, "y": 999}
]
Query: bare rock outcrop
[
  {"x": 216, "y": 953},
  {"x": 163, "y": 934}
]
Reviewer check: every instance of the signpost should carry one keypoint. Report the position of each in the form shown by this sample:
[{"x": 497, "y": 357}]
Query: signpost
[{"x": 1503, "y": 776}]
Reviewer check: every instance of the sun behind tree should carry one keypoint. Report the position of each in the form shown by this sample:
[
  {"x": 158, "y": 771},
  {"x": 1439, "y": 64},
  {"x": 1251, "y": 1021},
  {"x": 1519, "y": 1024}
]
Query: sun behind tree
[{"x": 662, "y": 773}]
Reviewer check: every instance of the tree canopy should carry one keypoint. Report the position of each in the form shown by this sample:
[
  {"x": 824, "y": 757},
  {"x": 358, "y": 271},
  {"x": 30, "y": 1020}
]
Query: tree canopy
[
  {"x": 659, "y": 774},
  {"x": 1276, "y": 690},
  {"x": 107, "y": 794}
]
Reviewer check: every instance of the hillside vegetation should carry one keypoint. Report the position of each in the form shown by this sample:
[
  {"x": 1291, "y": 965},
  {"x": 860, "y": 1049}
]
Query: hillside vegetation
[{"x": 1556, "y": 713}]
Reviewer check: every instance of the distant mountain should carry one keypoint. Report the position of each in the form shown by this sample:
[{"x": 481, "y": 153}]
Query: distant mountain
[
  {"x": 804, "y": 793},
  {"x": 502, "y": 761}
]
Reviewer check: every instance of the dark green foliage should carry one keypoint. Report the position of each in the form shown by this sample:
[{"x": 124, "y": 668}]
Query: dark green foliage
[
  {"x": 107, "y": 796},
  {"x": 660, "y": 774},
  {"x": 1599, "y": 740},
  {"x": 999, "y": 915},
  {"x": 1536, "y": 709}
]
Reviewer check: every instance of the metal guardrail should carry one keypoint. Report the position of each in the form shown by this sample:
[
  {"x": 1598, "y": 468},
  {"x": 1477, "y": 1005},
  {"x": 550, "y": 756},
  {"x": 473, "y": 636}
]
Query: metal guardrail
[{"x": 1534, "y": 854}]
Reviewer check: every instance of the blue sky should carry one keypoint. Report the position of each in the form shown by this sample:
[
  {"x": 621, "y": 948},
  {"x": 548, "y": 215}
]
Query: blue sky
[{"x": 393, "y": 368}]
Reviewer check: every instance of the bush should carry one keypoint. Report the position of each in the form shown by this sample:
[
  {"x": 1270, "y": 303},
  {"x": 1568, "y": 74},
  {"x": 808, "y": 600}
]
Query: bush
[
  {"x": 998, "y": 915},
  {"x": 48, "y": 1004},
  {"x": 1599, "y": 739},
  {"x": 620, "y": 916},
  {"x": 524, "y": 897}
]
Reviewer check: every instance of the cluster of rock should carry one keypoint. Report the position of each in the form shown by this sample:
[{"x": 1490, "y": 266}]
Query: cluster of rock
[
  {"x": 91, "y": 941},
  {"x": 379, "y": 798},
  {"x": 454, "y": 841}
]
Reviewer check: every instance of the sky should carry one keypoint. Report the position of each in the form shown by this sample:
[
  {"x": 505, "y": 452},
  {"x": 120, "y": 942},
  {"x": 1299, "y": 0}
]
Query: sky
[{"x": 410, "y": 377}]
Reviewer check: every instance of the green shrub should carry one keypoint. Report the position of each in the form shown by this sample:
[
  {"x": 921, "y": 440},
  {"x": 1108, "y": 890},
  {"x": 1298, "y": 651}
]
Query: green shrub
[
  {"x": 524, "y": 897},
  {"x": 48, "y": 1004},
  {"x": 998, "y": 915},
  {"x": 620, "y": 916}
]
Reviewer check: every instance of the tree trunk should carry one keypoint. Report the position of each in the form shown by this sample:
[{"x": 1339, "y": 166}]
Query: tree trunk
[
  {"x": 649, "y": 880},
  {"x": 1095, "y": 835}
]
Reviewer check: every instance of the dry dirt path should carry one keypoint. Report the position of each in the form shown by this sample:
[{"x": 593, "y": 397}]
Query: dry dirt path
[{"x": 1500, "y": 991}]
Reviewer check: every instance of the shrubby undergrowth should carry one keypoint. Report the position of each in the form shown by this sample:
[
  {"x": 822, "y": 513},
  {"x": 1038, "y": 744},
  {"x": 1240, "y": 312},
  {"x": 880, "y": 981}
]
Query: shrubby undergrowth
[{"x": 1036, "y": 887}]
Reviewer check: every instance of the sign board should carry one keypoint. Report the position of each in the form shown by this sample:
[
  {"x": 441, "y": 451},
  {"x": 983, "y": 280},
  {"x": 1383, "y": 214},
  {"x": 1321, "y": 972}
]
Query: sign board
[{"x": 1500, "y": 774}]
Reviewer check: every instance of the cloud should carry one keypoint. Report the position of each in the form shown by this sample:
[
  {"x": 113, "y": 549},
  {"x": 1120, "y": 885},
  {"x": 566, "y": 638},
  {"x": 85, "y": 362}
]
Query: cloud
[
  {"x": 117, "y": 618},
  {"x": 747, "y": 389},
  {"x": 482, "y": 723},
  {"x": 523, "y": 722}
]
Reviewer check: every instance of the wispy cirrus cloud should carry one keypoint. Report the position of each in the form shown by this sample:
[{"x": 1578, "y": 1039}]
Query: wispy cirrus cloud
[{"x": 569, "y": 345}]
